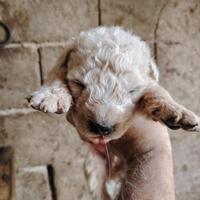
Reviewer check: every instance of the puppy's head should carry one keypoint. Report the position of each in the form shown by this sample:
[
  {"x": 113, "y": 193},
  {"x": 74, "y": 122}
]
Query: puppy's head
[{"x": 107, "y": 70}]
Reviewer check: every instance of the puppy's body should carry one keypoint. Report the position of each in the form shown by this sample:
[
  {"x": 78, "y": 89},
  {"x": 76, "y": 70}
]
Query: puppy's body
[
  {"x": 104, "y": 78},
  {"x": 146, "y": 149}
]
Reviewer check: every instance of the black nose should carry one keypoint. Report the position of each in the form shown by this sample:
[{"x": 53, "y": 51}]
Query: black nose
[{"x": 99, "y": 129}]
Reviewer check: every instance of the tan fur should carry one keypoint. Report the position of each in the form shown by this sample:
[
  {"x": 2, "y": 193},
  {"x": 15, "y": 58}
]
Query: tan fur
[{"x": 159, "y": 105}]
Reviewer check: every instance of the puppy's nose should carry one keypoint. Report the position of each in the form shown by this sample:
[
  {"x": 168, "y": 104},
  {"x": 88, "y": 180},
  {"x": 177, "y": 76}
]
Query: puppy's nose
[{"x": 99, "y": 129}]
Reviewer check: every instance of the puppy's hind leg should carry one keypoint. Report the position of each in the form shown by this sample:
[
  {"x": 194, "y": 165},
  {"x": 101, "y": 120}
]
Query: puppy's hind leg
[{"x": 157, "y": 103}]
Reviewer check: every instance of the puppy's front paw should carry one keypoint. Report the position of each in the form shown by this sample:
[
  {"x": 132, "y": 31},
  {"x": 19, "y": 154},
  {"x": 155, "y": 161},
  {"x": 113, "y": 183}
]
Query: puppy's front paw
[
  {"x": 176, "y": 116},
  {"x": 50, "y": 99},
  {"x": 159, "y": 105}
]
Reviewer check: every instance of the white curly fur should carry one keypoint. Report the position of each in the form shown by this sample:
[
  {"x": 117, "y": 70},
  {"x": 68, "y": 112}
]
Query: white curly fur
[
  {"x": 51, "y": 98},
  {"x": 113, "y": 62}
]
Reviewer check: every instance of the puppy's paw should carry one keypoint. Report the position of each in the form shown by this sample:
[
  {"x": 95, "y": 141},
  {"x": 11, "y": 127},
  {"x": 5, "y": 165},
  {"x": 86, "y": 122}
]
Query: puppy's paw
[
  {"x": 176, "y": 116},
  {"x": 159, "y": 105},
  {"x": 50, "y": 99}
]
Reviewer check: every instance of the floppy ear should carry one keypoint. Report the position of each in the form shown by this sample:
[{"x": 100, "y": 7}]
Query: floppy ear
[
  {"x": 54, "y": 96},
  {"x": 157, "y": 103},
  {"x": 59, "y": 70}
]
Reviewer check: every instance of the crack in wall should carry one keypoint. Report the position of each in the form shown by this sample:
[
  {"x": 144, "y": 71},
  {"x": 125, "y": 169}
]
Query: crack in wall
[
  {"x": 156, "y": 30},
  {"x": 40, "y": 66},
  {"x": 99, "y": 12},
  {"x": 51, "y": 177}
]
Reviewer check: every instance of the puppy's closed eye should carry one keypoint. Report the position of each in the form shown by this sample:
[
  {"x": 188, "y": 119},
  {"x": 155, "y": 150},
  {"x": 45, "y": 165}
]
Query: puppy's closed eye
[
  {"x": 77, "y": 83},
  {"x": 132, "y": 91}
]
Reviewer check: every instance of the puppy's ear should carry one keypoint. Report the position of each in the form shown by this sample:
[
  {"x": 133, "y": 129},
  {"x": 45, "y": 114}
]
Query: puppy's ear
[
  {"x": 157, "y": 103},
  {"x": 154, "y": 74},
  {"x": 59, "y": 70}
]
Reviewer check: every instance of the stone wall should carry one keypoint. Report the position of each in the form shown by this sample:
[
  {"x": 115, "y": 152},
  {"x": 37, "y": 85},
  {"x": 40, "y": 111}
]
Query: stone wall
[{"x": 49, "y": 155}]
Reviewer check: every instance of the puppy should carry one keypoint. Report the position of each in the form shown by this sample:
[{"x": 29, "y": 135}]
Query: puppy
[{"x": 105, "y": 77}]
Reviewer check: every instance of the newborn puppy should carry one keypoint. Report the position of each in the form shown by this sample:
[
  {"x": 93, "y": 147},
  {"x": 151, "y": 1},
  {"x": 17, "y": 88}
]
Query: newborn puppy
[{"x": 105, "y": 76}]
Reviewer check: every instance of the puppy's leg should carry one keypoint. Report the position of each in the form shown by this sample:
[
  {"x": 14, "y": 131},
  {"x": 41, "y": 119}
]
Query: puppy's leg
[
  {"x": 96, "y": 173},
  {"x": 54, "y": 96},
  {"x": 159, "y": 105}
]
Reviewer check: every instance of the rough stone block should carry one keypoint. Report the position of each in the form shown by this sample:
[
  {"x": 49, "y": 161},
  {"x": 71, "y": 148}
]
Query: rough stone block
[
  {"x": 69, "y": 177},
  {"x": 32, "y": 183},
  {"x": 44, "y": 20},
  {"x": 19, "y": 75},
  {"x": 41, "y": 139},
  {"x": 179, "y": 22},
  {"x": 178, "y": 47},
  {"x": 179, "y": 72},
  {"x": 139, "y": 15},
  {"x": 186, "y": 154},
  {"x": 37, "y": 137}
]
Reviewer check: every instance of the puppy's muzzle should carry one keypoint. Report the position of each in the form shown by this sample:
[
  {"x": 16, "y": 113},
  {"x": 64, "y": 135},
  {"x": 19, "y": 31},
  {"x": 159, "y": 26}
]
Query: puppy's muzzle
[{"x": 99, "y": 129}]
